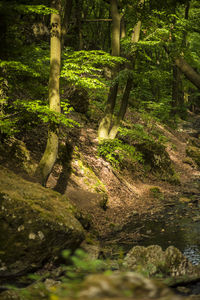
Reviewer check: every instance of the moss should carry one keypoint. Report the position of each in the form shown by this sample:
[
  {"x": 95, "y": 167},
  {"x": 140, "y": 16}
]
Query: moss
[
  {"x": 35, "y": 224},
  {"x": 84, "y": 175},
  {"x": 156, "y": 158},
  {"x": 173, "y": 178},
  {"x": 156, "y": 193},
  {"x": 194, "y": 153}
]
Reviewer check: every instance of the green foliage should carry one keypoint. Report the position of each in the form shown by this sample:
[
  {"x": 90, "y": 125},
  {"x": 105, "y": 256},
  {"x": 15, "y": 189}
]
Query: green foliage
[
  {"x": 140, "y": 134},
  {"x": 160, "y": 110},
  {"x": 156, "y": 193},
  {"x": 79, "y": 265},
  {"x": 18, "y": 67},
  {"x": 27, "y": 9},
  {"x": 7, "y": 126},
  {"x": 85, "y": 68},
  {"x": 43, "y": 112},
  {"x": 116, "y": 152}
]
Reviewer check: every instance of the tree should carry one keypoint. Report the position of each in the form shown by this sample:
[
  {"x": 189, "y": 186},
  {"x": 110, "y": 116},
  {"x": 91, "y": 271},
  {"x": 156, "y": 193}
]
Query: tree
[
  {"x": 49, "y": 157},
  {"x": 104, "y": 126}
]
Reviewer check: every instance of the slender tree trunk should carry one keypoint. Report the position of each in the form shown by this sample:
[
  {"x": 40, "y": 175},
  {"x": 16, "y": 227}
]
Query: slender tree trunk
[
  {"x": 49, "y": 157},
  {"x": 116, "y": 18},
  {"x": 79, "y": 5},
  {"x": 66, "y": 20},
  {"x": 123, "y": 108},
  {"x": 123, "y": 28},
  {"x": 177, "y": 90},
  {"x": 177, "y": 87},
  {"x": 3, "y": 41},
  {"x": 104, "y": 126},
  {"x": 188, "y": 71},
  {"x": 125, "y": 98}
]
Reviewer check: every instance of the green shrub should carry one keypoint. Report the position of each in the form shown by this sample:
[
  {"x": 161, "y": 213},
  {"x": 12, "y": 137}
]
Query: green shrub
[{"x": 116, "y": 152}]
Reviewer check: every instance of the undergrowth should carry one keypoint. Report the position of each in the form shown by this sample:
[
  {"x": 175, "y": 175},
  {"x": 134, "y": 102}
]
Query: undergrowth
[{"x": 116, "y": 152}]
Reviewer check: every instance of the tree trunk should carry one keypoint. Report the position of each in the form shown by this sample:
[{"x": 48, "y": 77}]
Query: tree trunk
[
  {"x": 104, "y": 126},
  {"x": 66, "y": 20},
  {"x": 122, "y": 28},
  {"x": 116, "y": 18},
  {"x": 79, "y": 7},
  {"x": 129, "y": 83},
  {"x": 188, "y": 71},
  {"x": 177, "y": 90},
  {"x": 123, "y": 108},
  {"x": 49, "y": 157}
]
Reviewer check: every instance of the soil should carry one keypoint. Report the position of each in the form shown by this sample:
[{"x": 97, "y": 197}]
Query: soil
[{"x": 128, "y": 190}]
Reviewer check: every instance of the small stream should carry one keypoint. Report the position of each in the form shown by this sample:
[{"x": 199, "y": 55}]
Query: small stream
[{"x": 179, "y": 226}]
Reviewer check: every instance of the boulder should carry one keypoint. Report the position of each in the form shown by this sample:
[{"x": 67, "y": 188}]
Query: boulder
[
  {"x": 194, "y": 153},
  {"x": 121, "y": 286},
  {"x": 152, "y": 260},
  {"x": 36, "y": 224},
  {"x": 115, "y": 286}
]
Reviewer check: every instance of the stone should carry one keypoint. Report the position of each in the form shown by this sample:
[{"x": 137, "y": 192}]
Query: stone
[
  {"x": 36, "y": 224},
  {"x": 123, "y": 286},
  {"x": 194, "y": 153},
  {"x": 152, "y": 260}
]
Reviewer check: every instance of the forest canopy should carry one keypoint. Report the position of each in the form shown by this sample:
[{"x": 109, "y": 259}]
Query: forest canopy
[{"x": 136, "y": 54}]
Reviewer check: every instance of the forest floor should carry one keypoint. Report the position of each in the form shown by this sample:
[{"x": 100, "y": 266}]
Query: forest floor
[{"x": 131, "y": 194}]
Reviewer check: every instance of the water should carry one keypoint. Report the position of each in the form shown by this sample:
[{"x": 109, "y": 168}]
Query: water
[
  {"x": 193, "y": 254},
  {"x": 179, "y": 227}
]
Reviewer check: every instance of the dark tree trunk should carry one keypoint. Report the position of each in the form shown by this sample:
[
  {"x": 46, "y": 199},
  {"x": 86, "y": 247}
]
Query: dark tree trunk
[{"x": 66, "y": 20}]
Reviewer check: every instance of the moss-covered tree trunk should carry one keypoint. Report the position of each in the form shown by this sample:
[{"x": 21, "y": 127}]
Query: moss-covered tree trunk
[
  {"x": 104, "y": 126},
  {"x": 49, "y": 157}
]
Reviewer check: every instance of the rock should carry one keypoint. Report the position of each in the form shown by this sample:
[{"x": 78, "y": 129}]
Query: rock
[
  {"x": 157, "y": 160},
  {"x": 152, "y": 260},
  {"x": 36, "y": 224},
  {"x": 91, "y": 250},
  {"x": 145, "y": 260},
  {"x": 115, "y": 286},
  {"x": 123, "y": 286},
  {"x": 194, "y": 153}
]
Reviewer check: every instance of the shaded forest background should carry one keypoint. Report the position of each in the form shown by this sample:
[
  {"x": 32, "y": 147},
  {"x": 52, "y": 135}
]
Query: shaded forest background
[{"x": 140, "y": 55}]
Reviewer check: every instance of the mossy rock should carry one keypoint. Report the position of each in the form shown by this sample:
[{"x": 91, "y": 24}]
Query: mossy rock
[
  {"x": 36, "y": 224},
  {"x": 194, "y": 142},
  {"x": 194, "y": 153},
  {"x": 79, "y": 99},
  {"x": 156, "y": 159},
  {"x": 119, "y": 285},
  {"x": 17, "y": 155},
  {"x": 153, "y": 261}
]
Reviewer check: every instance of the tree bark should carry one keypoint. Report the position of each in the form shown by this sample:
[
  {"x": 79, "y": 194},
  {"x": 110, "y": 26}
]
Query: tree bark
[
  {"x": 116, "y": 18},
  {"x": 79, "y": 6},
  {"x": 123, "y": 108},
  {"x": 124, "y": 102},
  {"x": 188, "y": 71},
  {"x": 177, "y": 90},
  {"x": 49, "y": 157},
  {"x": 104, "y": 126},
  {"x": 66, "y": 20}
]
